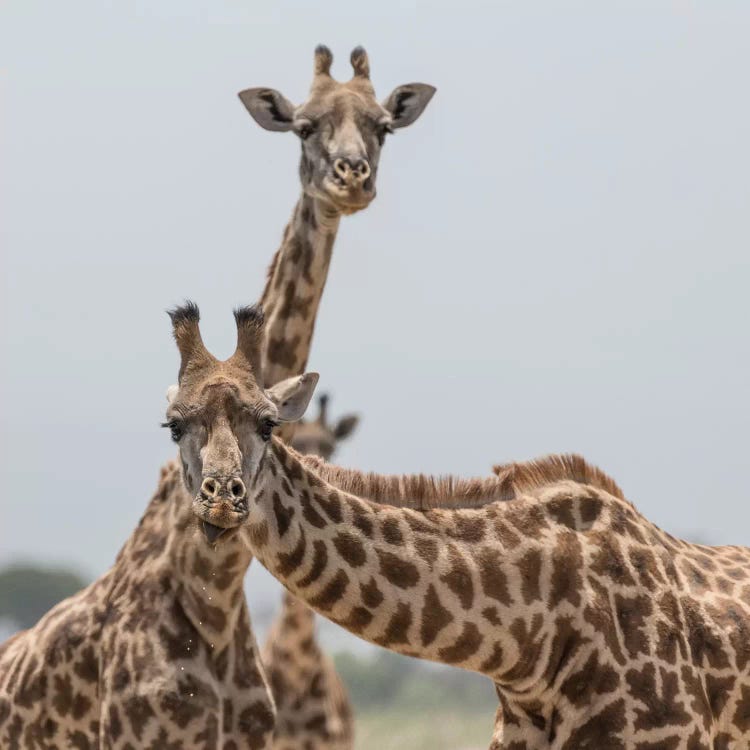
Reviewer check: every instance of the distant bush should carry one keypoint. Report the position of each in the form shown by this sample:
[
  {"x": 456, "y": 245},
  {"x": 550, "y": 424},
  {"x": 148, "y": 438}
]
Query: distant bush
[
  {"x": 388, "y": 681},
  {"x": 28, "y": 591}
]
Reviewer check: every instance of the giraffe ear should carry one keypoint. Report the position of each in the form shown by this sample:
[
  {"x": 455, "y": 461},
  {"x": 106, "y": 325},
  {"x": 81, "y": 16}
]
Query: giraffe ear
[
  {"x": 172, "y": 393},
  {"x": 292, "y": 395},
  {"x": 406, "y": 103},
  {"x": 268, "y": 108},
  {"x": 345, "y": 426}
]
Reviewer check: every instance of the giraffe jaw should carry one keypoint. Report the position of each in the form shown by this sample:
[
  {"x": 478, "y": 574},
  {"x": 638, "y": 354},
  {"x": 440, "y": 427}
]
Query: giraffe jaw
[{"x": 345, "y": 200}]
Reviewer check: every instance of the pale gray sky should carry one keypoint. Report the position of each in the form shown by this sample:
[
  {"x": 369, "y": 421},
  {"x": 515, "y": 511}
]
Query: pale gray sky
[{"x": 557, "y": 259}]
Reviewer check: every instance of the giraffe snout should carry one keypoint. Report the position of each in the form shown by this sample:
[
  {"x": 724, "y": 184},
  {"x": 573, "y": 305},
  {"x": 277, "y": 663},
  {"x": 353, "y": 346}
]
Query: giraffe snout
[
  {"x": 223, "y": 488},
  {"x": 351, "y": 172},
  {"x": 221, "y": 505}
]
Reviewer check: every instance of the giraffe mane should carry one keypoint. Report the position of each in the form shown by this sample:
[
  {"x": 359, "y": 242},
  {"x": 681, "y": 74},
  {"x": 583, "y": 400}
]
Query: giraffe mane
[
  {"x": 424, "y": 492},
  {"x": 559, "y": 467}
]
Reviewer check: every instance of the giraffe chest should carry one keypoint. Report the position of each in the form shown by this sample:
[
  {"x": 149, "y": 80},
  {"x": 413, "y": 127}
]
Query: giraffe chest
[{"x": 174, "y": 690}]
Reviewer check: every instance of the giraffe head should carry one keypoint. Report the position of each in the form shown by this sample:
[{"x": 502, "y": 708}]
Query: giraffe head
[
  {"x": 222, "y": 418},
  {"x": 342, "y": 128},
  {"x": 319, "y": 437}
]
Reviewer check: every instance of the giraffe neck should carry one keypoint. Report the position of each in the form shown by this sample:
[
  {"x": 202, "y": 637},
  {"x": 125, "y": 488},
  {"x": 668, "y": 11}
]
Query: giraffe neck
[
  {"x": 208, "y": 579},
  {"x": 431, "y": 584},
  {"x": 296, "y": 279},
  {"x": 291, "y": 643}
]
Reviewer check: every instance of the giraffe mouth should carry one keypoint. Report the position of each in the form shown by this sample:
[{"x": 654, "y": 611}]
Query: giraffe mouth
[
  {"x": 346, "y": 198},
  {"x": 211, "y": 532}
]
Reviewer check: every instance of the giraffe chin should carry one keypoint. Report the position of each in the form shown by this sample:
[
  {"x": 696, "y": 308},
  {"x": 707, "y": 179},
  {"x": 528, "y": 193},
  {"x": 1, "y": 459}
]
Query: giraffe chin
[{"x": 345, "y": 200}]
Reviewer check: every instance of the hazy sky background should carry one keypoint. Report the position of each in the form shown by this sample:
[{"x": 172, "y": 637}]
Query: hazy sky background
[{"x": 558, "y": 258}]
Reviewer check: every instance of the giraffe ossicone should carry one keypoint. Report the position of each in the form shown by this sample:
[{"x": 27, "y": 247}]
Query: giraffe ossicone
[{"x": 597, "y": 628}]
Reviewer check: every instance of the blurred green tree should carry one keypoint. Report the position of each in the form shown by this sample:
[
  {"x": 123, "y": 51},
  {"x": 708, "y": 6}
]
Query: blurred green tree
[{"x": 27, "y": 591}]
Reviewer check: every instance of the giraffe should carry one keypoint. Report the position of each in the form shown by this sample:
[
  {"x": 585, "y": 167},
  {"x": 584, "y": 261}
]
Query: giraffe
[
  {"x": 342, "y": 128},
  {"x": 598, "y": 629},
  {"x": 312, "y": 706},
  {"x": 319, "y": 437}
]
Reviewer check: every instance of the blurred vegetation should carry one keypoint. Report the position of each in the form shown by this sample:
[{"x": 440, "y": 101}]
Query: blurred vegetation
[
  {"x": 28, "y": 591},
  {"x": 385, "y": 680},
  {"x": 402, "y": 702},
  {"x": 446, "y": 729}
]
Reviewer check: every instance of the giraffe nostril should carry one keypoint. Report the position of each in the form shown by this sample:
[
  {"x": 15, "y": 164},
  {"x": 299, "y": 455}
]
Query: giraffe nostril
[
  {"x": 237, "y": 489},
  {"x": 362, "y": 168},
  {"x": 209, "y": 487},
  {"x": 341, "y": 167}
]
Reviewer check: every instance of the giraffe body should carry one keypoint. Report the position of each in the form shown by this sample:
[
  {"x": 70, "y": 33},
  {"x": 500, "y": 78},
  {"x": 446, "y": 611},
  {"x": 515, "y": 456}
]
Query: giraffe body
[{"x": 598, "y": 629}]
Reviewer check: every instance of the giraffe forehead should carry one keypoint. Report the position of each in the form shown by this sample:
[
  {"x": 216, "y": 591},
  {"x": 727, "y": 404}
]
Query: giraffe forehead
[
  {"x": 219, "y": 396},
  {"x": 342, "y": 103}
]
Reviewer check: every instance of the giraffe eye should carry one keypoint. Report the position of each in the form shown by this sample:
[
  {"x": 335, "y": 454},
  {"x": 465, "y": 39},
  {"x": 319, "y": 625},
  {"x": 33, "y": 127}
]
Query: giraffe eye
[
  {"x": 305, "y": 130},
  {"x": 266, "y": 429},
  {"x": 383, "y": 130},
  {"x": 176, "y": 429}
]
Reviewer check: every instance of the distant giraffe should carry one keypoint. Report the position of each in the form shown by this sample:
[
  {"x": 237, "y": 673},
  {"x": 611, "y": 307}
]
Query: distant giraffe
[
  {"x": 342, "y": 128},
  {"x": 312, "y": 708},
  {"x": 319, "y": 436},
  {"x": 598, "y": 629}
]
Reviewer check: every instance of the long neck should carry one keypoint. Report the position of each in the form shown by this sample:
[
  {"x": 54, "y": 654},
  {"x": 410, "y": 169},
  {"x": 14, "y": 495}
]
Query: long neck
[
  {"x": 461, "y": 587},
  {"x": 296, "y": 279},
  {"x": 207, "y": 580},
  {"x": 291, "y": 644}
]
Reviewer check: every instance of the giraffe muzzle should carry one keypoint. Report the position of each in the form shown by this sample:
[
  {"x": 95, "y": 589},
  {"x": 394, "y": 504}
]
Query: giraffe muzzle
[
  {"x": 221, "y": 505},
  {"x": 350, "y": 173}
]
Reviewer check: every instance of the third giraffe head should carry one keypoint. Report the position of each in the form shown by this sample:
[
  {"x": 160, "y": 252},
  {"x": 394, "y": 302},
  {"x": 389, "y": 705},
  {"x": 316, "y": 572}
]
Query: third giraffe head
[
  {"x": 320, "y": 436},
  {"x": 342, "y": 127}
]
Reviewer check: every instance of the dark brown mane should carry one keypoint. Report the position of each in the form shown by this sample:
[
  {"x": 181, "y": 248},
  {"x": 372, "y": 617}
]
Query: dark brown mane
[{"x": 423, "y": 492}]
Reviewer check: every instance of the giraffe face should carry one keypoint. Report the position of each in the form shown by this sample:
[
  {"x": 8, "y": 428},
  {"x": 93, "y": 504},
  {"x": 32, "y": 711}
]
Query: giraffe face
[
  {"x": 319, "y": 437},
  {"x": 222, "y": 419},
  {"x": 342, "y": 128}
]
